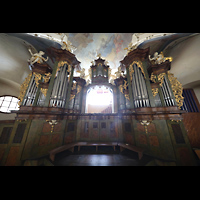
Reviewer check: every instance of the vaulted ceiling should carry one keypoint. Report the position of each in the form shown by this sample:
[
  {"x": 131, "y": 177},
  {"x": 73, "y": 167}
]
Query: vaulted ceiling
[{"x": 183, "y": 47}]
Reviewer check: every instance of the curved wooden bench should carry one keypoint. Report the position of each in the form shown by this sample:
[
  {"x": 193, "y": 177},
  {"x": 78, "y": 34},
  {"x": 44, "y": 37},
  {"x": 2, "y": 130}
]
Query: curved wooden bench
[
  {"x": 79, "y": 144},
  {"x": 71, "y": 146},
  {"x": 139, "y": 150},
  {"x": 53, "y": 152}
]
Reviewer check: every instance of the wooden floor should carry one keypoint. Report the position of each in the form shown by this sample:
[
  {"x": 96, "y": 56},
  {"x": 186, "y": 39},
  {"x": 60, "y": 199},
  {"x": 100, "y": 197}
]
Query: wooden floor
[{"x": 106, "y": 156}]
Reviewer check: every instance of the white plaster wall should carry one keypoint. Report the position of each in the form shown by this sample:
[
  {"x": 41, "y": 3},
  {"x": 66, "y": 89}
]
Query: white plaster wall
[
  {"x": 186, "y": 61},
  {"x": 13, "y": 67}
]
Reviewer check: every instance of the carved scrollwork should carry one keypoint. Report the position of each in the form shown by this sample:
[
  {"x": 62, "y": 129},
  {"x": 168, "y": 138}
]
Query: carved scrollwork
[
  {"x": 157, "y": 78},
  {"x": 177, "y": 89},
  {"x": 139, "y": 64},
  {"x": 23, "y": 88},
  {"x": 123, "y": 88}
]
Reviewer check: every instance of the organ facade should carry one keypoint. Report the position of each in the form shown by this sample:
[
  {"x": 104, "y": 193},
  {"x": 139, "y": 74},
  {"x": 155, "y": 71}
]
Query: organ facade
[{"x": 143, "y": 108}]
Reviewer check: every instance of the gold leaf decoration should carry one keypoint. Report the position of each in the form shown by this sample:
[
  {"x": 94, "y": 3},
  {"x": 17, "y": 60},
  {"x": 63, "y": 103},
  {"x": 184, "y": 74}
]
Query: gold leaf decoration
[
  {"x": 139, "y": 64},
  {"x": 177, "y": 89},
  {"x": 23, "y": 88}
]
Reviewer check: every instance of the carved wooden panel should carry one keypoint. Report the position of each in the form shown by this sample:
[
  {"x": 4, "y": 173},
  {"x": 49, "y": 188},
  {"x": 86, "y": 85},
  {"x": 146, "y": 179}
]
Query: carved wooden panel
[
  {"x": 140, "y": 127},
  {"x": 151, "y": 128},
  {"x": 12, "y": 156},
  {"x": 192, "y": 126},
  {"x": 185, "y": 156},
  {"x": 44, "y": 139},
  {"x": 178, "y": 134},
  {"x": 19, "y": 133},
  {"x": 5, "y": 135},
  {"x": 55, "y": 138},
  {"x": 46, "y": 127},
  {"x": 142, "y": 139},
  {"x": 154, "y": 140}
]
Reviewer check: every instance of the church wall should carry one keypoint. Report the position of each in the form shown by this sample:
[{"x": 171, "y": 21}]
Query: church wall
[
  {"x": 154, "y": 138},
  {"x": 106, "y": 129},
  {"x": 192, "y": 126},
  {"x": 41, "y": 140},
  {"x": 14, "y": 67}
]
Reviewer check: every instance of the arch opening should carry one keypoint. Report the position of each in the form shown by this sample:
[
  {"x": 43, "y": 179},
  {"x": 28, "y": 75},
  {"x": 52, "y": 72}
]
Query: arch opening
[{"x": 99, "y": 99}]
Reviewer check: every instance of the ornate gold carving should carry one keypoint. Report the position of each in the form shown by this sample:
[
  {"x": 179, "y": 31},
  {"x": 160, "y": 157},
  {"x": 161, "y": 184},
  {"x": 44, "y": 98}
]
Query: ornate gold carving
[
  {"x": 154, "y": 78},
  {"x": 78, "y": 89},
  {"x": 124, "y": 87},
  {"x": 44, "y": 91},
  {"x": 131, "y": 71},
  {"x": 161, "y": 78},
  {"x": 121, "y": 89},
  {"x": 166, "y": 58},
  {"x": 154, "y": 91},
  {"x": 60, "y": 64},
  {"x": 72, "y": 96},
  {"x": 139, "y": 64},
  {"x": 127, "y": 96},
  {"x": 45, "y": 78},
  {"x": 37, "y": 78},
  {"x": 125, "y": 84},
  {"x": 52, "y": 123},
  {"x": 74, "y": 86},
  {"x": 23, "y": 88},
  {"x": 159, "y": 58},
  {"x": 145, "y": 123},
  {"x": 177, "y": 89}
]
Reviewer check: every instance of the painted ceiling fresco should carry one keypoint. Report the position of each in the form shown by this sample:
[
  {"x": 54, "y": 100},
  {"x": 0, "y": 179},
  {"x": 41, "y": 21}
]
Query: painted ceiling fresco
[{"x": 109, "y": 45}]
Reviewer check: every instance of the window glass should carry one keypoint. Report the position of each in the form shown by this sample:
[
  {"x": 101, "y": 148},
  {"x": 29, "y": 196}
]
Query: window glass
[{"x": 8, "y": 103}]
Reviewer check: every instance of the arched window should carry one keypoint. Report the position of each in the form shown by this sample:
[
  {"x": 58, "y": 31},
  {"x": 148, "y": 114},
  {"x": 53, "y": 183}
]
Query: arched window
[
  {"x": 99, "y": 99},
  {"x": 8, "y": 103}
]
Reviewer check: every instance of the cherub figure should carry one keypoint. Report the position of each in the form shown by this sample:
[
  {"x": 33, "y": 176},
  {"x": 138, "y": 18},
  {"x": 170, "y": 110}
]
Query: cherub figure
[
  {"x": 119, "y": 73},
  {"x": 37, "y": 57},
  {"x": 82, "y": 75},
  {"x": 159, "y": 58},
  {"x": 66, "y": 44}
]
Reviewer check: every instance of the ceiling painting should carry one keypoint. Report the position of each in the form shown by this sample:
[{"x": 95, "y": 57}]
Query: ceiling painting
[{"x": 110, "y": 45}]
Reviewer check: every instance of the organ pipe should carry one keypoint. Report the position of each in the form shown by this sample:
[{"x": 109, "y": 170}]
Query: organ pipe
[
  {"x": 140, "y": 94},
  {"x": 59, "y": 92},
  {"x": 31, "y": 92}
]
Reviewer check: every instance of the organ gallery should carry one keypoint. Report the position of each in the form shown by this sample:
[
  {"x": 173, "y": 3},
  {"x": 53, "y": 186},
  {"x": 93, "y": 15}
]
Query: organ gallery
[{"x": 62, "y": 108}]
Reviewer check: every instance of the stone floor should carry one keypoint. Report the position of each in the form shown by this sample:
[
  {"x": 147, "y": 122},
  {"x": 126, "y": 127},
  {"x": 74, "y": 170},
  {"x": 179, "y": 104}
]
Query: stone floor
[{"x": 105, "y": 156}]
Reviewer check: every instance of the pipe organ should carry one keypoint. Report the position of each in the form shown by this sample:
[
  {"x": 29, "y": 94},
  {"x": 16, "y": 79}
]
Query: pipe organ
[
  {"x": 139, "y": 89},
  {"x": 59, "y": 91},
  {"x": 30, "y": 93},
  {"x": 145, "y": 111},
  {"x": 167, "y": 93}
]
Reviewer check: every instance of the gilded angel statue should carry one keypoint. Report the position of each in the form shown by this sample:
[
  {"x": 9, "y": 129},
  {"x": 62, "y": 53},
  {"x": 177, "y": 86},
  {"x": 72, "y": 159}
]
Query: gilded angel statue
[
  {"x": 37, "y": 57},
  {"x": 159, "y": 58},
  {"x": 66, "y": 44}
]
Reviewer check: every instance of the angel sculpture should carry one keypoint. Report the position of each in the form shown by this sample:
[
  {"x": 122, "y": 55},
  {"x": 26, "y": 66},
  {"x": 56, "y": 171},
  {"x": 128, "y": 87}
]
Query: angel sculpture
[
  {"x": 159, "y": 58},
  {"x": 82, "y": 75},
  {"x": 37, "y": 57},
  {"x": 119, "y": 73},
  {"x": 66, "y": 44}
]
